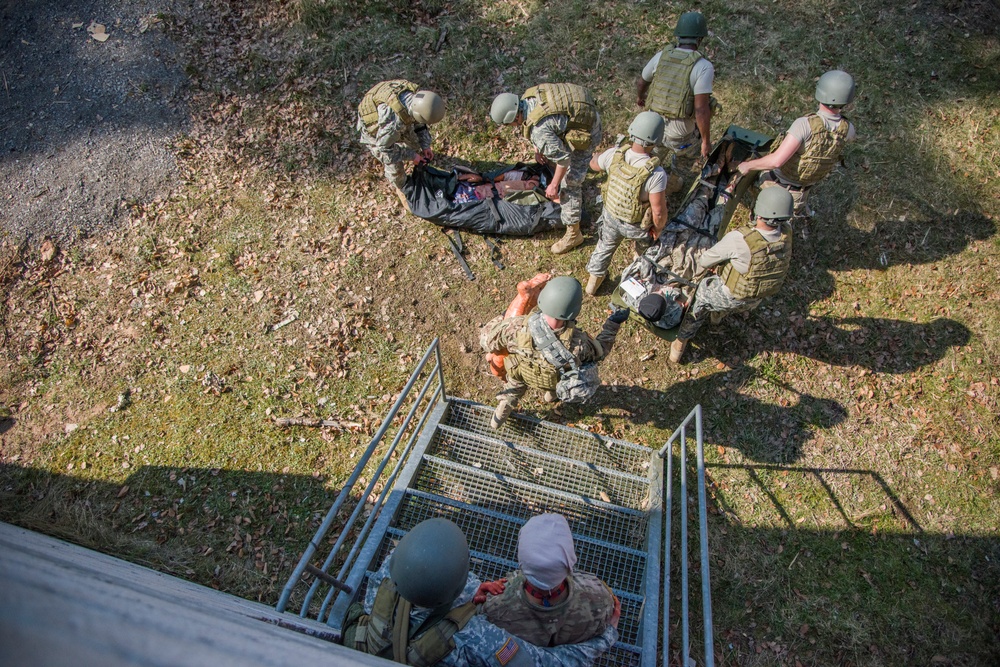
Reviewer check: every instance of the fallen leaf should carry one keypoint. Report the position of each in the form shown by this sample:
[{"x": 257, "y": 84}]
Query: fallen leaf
[
  {"x": 71, "y": 427},
  {"x": 48, "y": 250},
  {"x": 258, "y": 295},
  {"x": 185, "y": 368},
  {"x": 123, "y": 491},
  {"x": 97, "y": 31},
  {"x": 605, "y": 497}
]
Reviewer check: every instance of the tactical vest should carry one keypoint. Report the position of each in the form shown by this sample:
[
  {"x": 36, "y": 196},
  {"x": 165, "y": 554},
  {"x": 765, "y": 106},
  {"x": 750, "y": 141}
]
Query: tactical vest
[
  {"x": 387, "y": 93},
  {"x": 374, "y": 632},
  {"x": 622, "y": 190},
  {"x": 821, "y": 154},
  {"x": 769, "y": 263},
  {"x": 670, "y": 93},
  {"x": 566, "y": 99},
  {"x": 529, "y": 363}
]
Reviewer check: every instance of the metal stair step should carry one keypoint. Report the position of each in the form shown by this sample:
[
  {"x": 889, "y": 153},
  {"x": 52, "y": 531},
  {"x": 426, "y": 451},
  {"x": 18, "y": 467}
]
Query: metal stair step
[
  {"x": 552, "y": 438},
  {"x": 558, "y": 472},
  {"x": 590, "y": 517}
]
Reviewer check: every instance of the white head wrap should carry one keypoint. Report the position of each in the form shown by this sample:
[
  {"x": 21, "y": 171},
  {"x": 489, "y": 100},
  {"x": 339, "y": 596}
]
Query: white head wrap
[{"x": 545, "y": 550}]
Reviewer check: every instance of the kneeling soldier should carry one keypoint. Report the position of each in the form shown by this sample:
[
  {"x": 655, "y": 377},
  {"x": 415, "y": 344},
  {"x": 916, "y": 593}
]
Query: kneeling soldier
[
  {"x": 751, "y": 263},
  {"x": 546, "y": 351},
  {"x": 633, "y": 193}
]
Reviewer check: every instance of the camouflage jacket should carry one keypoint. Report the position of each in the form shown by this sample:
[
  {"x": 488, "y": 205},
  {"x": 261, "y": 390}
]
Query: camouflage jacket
[
  {"x": 582, "y": 615},
  {"x": 500, "y": 335},
  {"x": 482, "y": 644}
]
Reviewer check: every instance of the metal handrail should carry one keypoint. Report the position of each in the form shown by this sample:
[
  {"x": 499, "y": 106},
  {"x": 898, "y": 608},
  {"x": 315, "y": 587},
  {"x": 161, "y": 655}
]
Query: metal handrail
[
  {"x": 706, "y": 588},
  {"x": 345, "y": 492}
]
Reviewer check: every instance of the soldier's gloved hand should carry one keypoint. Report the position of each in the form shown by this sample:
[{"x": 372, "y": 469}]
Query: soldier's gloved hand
[
  {"x": 489, "y": 588},
  {"x": 619, "y": 315}
]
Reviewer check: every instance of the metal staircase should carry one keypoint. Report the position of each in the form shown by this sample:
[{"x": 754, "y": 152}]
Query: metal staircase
[{"x": 490, "y": 483}]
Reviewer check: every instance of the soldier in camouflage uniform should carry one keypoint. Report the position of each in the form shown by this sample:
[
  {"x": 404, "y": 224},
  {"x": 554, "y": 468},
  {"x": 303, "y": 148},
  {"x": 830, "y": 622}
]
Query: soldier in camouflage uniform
[
  {"x": 525, "y": 364},
  {"x": 424, "y": 591},
  {"x": 813, "y": 145},
  {"x": 633, "y": 195},
  {"x": 677, "y": 84},
  {"x": 562, "y": 122},
  {"x": 392, "y": 118},
  {"x": 751, "y": 263},
  {"x": 545, "y": 602}
]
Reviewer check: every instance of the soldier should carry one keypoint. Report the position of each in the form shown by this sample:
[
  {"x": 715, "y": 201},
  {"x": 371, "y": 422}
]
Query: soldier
[
  {"x": 633, "y": 194},
  {"x": 546, "y": 351},
  {"x": 418, "y": 610},
  {"x": 813, "y": 145},
  {"x": 545, "y": 602},
  {"x": 562, "y": 122},
  {"x": 753, "y": 263},
  {"x": 393, "y": 117},
  {"x": 677, "y": 84}
]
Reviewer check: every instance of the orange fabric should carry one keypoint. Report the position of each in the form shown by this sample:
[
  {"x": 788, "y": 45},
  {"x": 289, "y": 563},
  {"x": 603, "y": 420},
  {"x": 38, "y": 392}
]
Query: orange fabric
[{"x": 523, "y": 303}]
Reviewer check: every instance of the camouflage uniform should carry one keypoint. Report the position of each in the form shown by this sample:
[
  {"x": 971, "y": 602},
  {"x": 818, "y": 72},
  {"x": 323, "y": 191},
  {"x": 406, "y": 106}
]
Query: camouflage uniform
[
  {"x": 712, "y": 297},
  {"x": 482, "y": 644},
  {"x": 395, "y": 141},
  {"x": 501, "y": 335},
  {"x": 582, "y": 615},
  {"x": 547, "y": 138}
]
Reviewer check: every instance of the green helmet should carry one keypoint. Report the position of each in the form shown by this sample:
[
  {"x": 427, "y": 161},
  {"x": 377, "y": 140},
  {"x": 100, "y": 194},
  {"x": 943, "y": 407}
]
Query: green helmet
[
  {"x": 691, "y": 24},
  {"x": 431, "y": 563},
  {"x": 835, "y": 88},
  {"x": 561, "y": 298},
  {"x": 774, "y": 203},
  {"x": 503, "y": 111},
  {"x": 426, "y": 107},
  {"x": 647, "y": 127}
]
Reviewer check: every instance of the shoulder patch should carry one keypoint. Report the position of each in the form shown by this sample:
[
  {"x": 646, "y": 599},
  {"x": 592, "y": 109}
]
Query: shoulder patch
[{"x": 507, "y": 651}]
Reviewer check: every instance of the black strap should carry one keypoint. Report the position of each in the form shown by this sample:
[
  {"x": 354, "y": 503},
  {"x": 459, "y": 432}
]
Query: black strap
[
  {"x": 495, "y": 255},
  {"x": 456, "y": 249}
]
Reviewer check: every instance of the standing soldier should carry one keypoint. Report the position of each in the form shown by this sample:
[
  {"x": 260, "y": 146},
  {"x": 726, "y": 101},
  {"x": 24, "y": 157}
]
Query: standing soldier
[
  {"x": 752, "y": 264},
  {"x": 813, "y": 145},
  {"x": 393, "y": 117},
  {"x": 546, "y": 351},
  {"x": 562, "y": 122},
  {"x": 633, "y": 194},
  {"x": 677, "y": 84},
  {"x": 419, "y": 610}
]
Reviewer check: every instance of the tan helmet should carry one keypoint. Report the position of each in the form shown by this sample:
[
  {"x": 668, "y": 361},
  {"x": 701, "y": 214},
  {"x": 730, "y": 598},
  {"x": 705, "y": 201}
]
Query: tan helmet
[
  {"x": 504, "y": 109},
  {"x": 835, "y": 88},
  {"x": 426, "y": 107},
  {"x": 647, "y": 128}
]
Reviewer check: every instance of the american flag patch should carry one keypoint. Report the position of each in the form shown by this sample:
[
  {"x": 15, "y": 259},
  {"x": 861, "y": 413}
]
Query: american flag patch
[{"x": 507, "y": 651}]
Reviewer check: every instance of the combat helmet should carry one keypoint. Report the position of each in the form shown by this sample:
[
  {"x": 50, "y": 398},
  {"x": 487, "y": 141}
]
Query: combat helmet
[
  {"x": 504, "y": 109},
  {"x": 431, "y": 563},
  {"x": 561, "y": 298},
  {"x": 835, "y": 88},
  {"x": 647, "y": 127},
  {"x": 691, "y": 25},
  {"x": 774, "y": 204},
  {"x": 426, "y": 107}
]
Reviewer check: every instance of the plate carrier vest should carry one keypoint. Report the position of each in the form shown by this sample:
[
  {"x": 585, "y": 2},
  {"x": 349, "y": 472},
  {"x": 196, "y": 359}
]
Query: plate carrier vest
[
  {"x": 531, "y": 365},
  {"x": 769, "y": 263},
  {"x": 624, "y": 185},
  {"x": 386, "y": 92},
  {"x": 567, "y": 99},
  {"x": 821, "y": 153},
  {"x": 375, "y": 632},
  {"x": 670, "y": 93}
]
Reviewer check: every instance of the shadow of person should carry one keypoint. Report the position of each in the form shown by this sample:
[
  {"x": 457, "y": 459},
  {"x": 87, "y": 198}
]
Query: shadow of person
[
  {"x": 6, "y": 424},
  {"x": 765, "y": 432}
]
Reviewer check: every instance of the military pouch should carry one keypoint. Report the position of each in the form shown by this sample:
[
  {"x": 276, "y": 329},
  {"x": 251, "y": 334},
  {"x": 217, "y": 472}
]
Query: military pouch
[
  {"x": 579, "y": 384},
  {"x": 578, "y": 140}
]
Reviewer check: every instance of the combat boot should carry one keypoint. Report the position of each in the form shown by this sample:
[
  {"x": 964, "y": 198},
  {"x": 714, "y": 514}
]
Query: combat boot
[
  {"x": 593, "y": 284},
  {"x": 677, "y": 350},
  {"x": 402, "y": 200},
  {"x": 571, "y": 239},
  {"x": 504, "y": 408}
]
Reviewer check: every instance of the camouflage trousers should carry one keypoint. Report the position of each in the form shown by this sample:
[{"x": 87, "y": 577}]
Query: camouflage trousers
[
  {"x": 513, "y": 390},
  {"x": 712, "y": 297},
  {"x": 800, "y": 196},
  {"x": 571, "y": 188},
  {"x": 392, "y": 158},
  {"x": 683, "y": 151},
  {"x": 610, "y": 234}
]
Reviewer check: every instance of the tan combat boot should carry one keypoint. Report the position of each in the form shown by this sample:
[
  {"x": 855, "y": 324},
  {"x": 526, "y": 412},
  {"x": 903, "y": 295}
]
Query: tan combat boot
[
  {"x": 593, "y": 284},
  {"x": 674, "y": 184},
  {"x": 402, "y": 200},
  {"x": 677, "y": 350},
  {"x": 571, "y": 239},
  {"x": 500, "y": 415}
]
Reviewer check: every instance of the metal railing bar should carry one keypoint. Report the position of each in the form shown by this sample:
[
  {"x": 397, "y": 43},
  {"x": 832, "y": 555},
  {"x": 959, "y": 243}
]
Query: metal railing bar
[
  {"x": 706, "y": 585},
  {"x": 685, "y": 626},
  {"x": 345, "y": 492},
  {"x": 679, "y": 431},
  {"x": 667, "y": 549}
]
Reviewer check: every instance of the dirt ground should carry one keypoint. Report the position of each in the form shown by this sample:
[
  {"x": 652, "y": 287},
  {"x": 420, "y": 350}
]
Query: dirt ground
[{"x": 85, "y": 125}]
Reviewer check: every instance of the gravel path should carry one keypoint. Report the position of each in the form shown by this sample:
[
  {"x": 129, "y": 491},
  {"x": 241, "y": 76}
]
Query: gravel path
[{"x": 85, "y": 125}]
